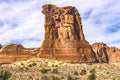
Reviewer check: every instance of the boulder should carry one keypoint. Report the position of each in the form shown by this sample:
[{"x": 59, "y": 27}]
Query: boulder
[
  {"x": 64, "y": 38},
  {"x": 100, "y": 50}
]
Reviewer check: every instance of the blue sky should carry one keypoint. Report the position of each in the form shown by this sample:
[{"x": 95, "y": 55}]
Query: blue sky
[{"x": 22, "y": 22}]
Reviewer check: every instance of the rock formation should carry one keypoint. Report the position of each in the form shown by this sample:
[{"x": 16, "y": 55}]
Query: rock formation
[
  {"x": 64, "y": 38},
  {"x": 100, "y": 50},
  {"x": 114, "y": 54},
  {"x": 0, "y": 46},
  {"x": 12, "y": 49},
  {"x": 14, "y": 52}
]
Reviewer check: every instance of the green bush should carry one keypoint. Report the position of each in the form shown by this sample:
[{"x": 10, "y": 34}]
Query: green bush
[
  {"x": 30, "y": 77},
  {"x": 83, "y": 72},
  {"x": 44, "y": 70},
  {"x": 69, "y": 78},
  {"x": 92, "y": 77},
  {"x": 107, "y": 73},
  {"x": 55, "y": 78},
  {"x": 76, "y": 73},
  {"x": 90, "y": 63},
  {"x": 92, "y": 71},
  {"x": 5, "y": 75},
  {"x": 76, "y": 79},
  {"x": 62, "y": 77},
  {"x": 54, "y": 65},
  {"x": 44, "y": 78},
  {"x": 55, "y": 71},
  {"x": 22, "y": 64},
  {"x": 33, "y": 64}
]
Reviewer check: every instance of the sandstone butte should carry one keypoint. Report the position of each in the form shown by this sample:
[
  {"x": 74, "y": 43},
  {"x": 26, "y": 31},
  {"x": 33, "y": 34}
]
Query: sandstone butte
[{"x": 63, "y": 40}]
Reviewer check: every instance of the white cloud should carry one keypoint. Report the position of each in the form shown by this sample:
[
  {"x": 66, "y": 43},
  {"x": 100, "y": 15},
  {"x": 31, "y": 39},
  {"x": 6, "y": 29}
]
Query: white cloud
[{"x": 22, "y": 20}]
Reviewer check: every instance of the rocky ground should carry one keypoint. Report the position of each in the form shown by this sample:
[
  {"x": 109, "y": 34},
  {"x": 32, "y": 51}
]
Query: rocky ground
[{"x": 47, "y": 69}]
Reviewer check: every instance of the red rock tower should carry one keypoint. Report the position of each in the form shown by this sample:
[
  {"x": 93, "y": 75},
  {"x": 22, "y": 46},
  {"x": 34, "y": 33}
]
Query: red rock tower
[{"x": 64, "y": 39}]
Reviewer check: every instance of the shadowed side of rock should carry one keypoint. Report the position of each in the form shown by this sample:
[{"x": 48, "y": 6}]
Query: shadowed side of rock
[{"x": 64, "y": 38}]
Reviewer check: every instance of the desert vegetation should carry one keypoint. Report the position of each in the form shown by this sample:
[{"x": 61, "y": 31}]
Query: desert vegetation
[
  {"x": 4, "y": 74},
  {"x": 43, "y": 69}
]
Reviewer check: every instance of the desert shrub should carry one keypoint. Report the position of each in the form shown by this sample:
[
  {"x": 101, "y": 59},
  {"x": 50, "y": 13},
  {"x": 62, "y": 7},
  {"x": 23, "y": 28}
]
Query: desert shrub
[
  {"x": 22, "y": 64},
  {"x": 69, "y": 78},
  {"x": 4, "y": 75},
  {"x": 92, "y": 77},
  {"x": 55, "y": 78},
  {"x": 76, "y": 79},
  {"x": 30, "y": 77},
  {"x": 30, "y": 65},
  {"x": 72, "y": 62},
  {"x": 34, "y": 64},
  {"x": 62, "y": 77},
  {"x": 54, "y": 65},
  {"x": 90, "y": 63},
  {"x": 76, "y": 73},
  {"x": 107, "y": 72},
  {"x": 26, "y": 68},
  {"x": 83, "y": 72},
  {"x": 92, "y": 71},
  {"x": 23, "y": 68},
  {"x": 43, "y": 70},
  {"x": 54, "y": 71},
  {"x": 44, "y": 78}
]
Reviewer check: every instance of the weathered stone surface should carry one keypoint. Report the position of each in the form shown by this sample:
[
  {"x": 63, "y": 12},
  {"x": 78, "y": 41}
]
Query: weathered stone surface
[
  {"x": 14, "y": 52},
  {"x": 100, "y": 50},
  {"x": 114, "y": 54},
  {"x": 64, "y": 38}
]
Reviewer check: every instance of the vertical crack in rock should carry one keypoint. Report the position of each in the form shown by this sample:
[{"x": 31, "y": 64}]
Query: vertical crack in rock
[{"x": 64, "y": 38}]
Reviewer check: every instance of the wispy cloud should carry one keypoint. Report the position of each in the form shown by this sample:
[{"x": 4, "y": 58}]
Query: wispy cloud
[{"x": 21, "y": 21}]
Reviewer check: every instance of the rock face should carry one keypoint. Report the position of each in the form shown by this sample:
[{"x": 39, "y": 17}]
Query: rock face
[
  {"x": 100, "y": 50},
  {"x": 114, "y": 54},
  {"x": 13, "y": 49},
  {"x": 0, "y": 46},
  {"x": 14, "y": 52},
  {"x": 64, "y": 38}
]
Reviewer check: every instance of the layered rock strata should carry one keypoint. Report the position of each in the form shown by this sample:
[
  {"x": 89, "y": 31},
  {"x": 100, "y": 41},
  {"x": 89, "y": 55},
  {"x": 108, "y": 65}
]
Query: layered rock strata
[
  {"x": 64, "y": 38},
  {"x": 100, "y": 50},
  {"x": 14, "y": 52},
  {"x": 114, "y": 55}
]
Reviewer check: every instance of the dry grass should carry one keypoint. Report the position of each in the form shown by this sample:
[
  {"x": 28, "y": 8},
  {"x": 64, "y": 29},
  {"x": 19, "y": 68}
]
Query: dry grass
[{"x": 23, "y": 70}]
